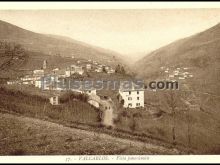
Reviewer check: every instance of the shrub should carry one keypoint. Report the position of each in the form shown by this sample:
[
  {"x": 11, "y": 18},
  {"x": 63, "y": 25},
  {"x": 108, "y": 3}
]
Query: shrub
[{"x": 73, "y": 95}]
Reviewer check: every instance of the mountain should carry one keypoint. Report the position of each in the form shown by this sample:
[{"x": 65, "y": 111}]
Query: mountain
[
  {"x": 56, "y": 45},
  {"x": 200, "y": 53}
]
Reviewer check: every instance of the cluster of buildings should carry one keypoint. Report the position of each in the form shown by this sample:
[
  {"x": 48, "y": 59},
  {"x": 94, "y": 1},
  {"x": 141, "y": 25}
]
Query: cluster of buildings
[
  {"x": 74, "y": 69},
  {"x": 177, "y": 73},
  {"x": 131, "y": 98},
  {"x": 96, "y": 67}
]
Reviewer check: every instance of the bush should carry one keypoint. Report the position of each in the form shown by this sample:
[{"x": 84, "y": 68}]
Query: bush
[{"x": 73, "y": 95}]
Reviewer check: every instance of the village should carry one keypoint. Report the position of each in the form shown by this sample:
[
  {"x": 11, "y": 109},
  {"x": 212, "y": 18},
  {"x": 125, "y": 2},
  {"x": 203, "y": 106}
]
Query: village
[
  {"x": 128, "y": 98},
  {"x": 177, "y": 73},
  {"x": 131, "y": 98}
]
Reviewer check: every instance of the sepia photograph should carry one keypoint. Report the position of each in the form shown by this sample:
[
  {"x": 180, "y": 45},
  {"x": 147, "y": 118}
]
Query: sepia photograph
[{"x": 122, "y": 82}]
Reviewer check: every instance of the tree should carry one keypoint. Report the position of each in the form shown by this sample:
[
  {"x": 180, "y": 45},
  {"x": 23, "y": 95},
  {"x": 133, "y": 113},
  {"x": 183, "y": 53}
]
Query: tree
[
  {"x": 104, "y": 70},
  {"x": 11, "y": 55},
  {"x": 117, "y": 69},
  {"x": 172, "y": 101},
  {"x": 120, "y": 69}
]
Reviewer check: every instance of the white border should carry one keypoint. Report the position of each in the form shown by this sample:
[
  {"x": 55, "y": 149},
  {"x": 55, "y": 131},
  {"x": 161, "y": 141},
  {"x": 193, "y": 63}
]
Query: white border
[
  {"x": 106, "y": 5},
  {"x": 112, "y": 159}
]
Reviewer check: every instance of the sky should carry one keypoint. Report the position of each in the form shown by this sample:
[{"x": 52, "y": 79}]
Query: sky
[{"x": 127, "y": 31}]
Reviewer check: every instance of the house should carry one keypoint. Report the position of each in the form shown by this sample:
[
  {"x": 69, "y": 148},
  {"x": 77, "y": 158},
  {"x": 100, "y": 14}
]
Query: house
[
  {"x": 55, "y": 70},
  {"x": 111, "y": 71},
  {"x": 12, "y": 82},
  {"x": 73, "y": 69},
  {"x": 88, "y": 66},
  {"x": 131, "y": 97},
  {"x": 38, "y": 83},
  {"x": 68, "y": 72},
  {"x": 106, "y": 67},
  {"x": 90, "y": 92},
  {"x": 54, "y": 100},
  {"x": 38, "y": 72},
  {"x": 27, "y": 82},
  {"x": 45, "y": 64},
  {"x": 50, "y": 82},
  {"x": 94, "y": 100},
  {"x": 98, "y": 70},
  {"x": 76, "y": 69}
]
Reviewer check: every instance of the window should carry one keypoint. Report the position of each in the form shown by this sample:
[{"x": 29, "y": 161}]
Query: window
[
  {"x": 137, "y": 92},
  {"x": 129, "y": 105},
  {"x": 129, "y": 98},
  {"x": 137, "y": 98},
  {"x": 137, "y": 104},
  {"x": 129, "y": 92}
]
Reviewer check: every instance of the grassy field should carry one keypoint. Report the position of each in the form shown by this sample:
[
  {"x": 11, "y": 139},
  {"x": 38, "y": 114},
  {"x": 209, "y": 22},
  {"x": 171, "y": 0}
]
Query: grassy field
[
  {"x": 142, "y": 123},
  {"x": 28, "y": 136},
  {"x": 36, "y": 105}
]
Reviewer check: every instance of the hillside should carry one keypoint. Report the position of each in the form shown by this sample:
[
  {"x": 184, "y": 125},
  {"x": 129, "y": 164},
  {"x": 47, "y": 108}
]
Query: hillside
[
  {"x": 55, "y": 45},
  {"x": 200, "y": 53}
]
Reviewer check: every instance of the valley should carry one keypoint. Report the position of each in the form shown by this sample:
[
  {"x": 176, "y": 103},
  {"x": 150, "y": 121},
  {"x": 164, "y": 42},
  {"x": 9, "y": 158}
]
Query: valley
[{"x": 168, "y": 122}]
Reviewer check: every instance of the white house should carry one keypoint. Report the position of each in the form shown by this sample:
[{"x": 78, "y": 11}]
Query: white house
[
  {"x": 85, "y": 91},
  {"x": 27, "y": 82},
  {"x": 94, "y": 100},
  {"x": 45, "y": 64},
  {"x": 111, "y": 71},
  {"x": 38, "y": 72},
  {"x": 88, "y": 66},
  {"x": 67, "y": 73},
  {"x": 131, "y": 97},
  {"x": 38, "y": 83},
  {"x": 106, "y": 67},
  {"x": 12, "y": 82},
  {"x": 54, "y": 100},
  {"x": 99, "y": 70},
  {"x": 76, "y": 69}
]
